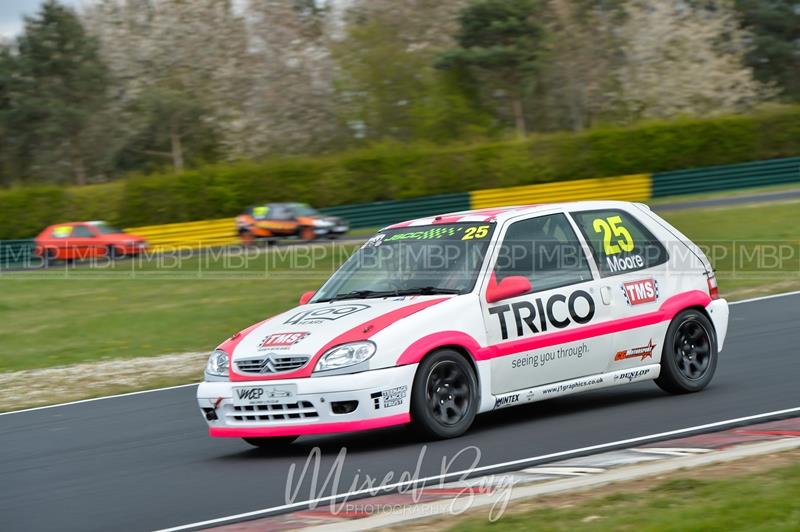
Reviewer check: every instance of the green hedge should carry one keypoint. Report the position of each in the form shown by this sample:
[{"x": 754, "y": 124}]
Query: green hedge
[{"x": 398, "y": 171}]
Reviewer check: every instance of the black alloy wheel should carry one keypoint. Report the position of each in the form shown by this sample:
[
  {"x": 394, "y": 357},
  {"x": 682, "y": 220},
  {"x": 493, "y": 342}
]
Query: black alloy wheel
[
  {"x": 444, "y": 400},
  {"x": 689, "y": 358}
]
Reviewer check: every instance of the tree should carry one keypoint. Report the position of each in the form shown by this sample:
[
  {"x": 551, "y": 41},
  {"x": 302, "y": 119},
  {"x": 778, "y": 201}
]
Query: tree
[
  {"x": 680, "y": 58},
  {"x": 56, "y": 87},
  {"x": 180, "y": 70},
  {"x": 579, "y": 55},
  {"x": 289, "y": 106},
  {"x": 775, "y": 56},
  {"x": 502, "y": 40}
]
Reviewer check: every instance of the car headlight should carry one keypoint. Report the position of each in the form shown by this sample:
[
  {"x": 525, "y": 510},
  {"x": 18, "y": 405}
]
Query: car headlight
[
  {"x": 217, "y": 365},
  {"x": 323, "y": 223},
  {"x": 345, "y": 355}
]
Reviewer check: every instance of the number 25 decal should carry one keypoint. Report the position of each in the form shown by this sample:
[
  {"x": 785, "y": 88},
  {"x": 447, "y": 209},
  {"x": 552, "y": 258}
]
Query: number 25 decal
[
  {"x": 612, "y": 226},
  {"x": 476, "y": 232}
]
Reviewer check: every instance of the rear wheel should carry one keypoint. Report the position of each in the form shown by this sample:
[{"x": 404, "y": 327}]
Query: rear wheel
[
  {"x": 307, "y": 233},
  {"x": 444, "y": 399},
  {"x": 689, "y": 358},
  {"x": 50, "y": 256},
  {"x": 280, "y": 442}
]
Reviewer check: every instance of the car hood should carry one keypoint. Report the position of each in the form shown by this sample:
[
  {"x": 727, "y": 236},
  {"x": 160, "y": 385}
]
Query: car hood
[{"x": 307, "y": 329}]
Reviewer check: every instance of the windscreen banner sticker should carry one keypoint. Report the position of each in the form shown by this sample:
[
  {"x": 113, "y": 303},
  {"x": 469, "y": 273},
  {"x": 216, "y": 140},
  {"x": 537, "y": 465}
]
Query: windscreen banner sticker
[
  {"x": 324, "y": 314},
  {"x": 642, "y": 291},
  {"x": 446, "y": 232},
  {"x": 533, "y": 317}
]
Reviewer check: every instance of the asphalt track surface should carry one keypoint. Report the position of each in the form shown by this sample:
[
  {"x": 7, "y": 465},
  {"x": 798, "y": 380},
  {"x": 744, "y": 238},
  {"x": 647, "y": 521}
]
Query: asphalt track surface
[{"x": 143, "y": 462}]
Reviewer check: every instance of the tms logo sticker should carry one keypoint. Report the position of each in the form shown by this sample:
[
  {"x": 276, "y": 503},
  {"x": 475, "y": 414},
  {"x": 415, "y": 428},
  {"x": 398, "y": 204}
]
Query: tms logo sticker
[
  {"x": 548, "y": 313},
  {"x": 638, "y": 292},
  {"x": 645, "y": 351},
  {"x": 282, "y": 340},
  {"x": 506, "y": 400},
  {"x": 325, "y": 314}
]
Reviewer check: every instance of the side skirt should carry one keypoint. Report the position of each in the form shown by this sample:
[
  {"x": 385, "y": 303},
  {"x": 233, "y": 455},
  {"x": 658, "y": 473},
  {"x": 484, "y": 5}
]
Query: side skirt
[{"x": 582, "y": 384}]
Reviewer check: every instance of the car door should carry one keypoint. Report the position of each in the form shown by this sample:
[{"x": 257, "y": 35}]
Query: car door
[
  {"x": 83, "y": 243},
  {"x": 633, "y": 268},
  {"x": 57, "y": 245},
  {"x": 554, "y": 332}
]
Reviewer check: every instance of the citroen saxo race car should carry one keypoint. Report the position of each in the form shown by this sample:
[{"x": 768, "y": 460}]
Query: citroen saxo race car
[
  {"x": 436, "y": 320},
  {"x": 287, "y": 220}
]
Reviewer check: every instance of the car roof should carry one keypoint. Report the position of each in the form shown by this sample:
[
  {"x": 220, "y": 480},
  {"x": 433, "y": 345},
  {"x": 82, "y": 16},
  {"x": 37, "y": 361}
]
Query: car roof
[{"x": 501, "y": 214}]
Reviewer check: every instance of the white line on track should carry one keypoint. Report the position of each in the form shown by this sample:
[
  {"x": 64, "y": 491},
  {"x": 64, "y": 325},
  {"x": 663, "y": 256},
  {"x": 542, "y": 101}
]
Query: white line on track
[
  {"x": 751, "y": 300},
  {"x": 93, "y": 399},
  {"x": 762, "y": 298},
  {"x": 500, "y": 466}
]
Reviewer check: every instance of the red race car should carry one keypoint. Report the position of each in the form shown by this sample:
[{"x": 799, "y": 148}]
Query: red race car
[{"x": 84, "y": 240}]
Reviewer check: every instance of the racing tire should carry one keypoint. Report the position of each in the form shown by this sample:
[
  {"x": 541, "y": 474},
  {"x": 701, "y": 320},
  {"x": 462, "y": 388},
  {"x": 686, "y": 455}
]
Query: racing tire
[
  {"x": 307, "y": 234},
  {"x": 247, "y": 238},
  {"x": 113, "y": 253},
  {"x": 280, "y": 442},
  {"x": 49, "y": 257},
  {"x": 444, "y": 397},
  {"x": 689, "y": 357}
]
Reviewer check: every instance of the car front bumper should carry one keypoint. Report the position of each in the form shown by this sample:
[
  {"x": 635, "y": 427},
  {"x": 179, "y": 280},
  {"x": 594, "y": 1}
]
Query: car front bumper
[{"x": 383, "y": 397}]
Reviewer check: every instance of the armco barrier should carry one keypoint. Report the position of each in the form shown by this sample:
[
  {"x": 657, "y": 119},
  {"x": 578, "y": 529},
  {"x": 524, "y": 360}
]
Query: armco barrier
[
  {"x": 388, "y": 212},
  {"x": 716, "y": 178},
  {"x": 195, "y": 235},
  {"x": 15, "y": 254},
  {"x": 630, "y": 188}
]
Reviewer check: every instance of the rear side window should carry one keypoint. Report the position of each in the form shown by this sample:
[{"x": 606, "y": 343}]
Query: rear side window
[
  {"x": 81, "y": 231},
  {"x": 619, "y": 242}
]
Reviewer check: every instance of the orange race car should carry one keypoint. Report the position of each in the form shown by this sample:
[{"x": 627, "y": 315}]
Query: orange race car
[{"x": 287, "y": 220}]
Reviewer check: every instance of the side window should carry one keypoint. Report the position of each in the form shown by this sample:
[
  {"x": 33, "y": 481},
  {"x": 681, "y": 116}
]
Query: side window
[
  {"x": 62, "y": 231},
  {"x": 619, "y": 242},
  {"x": 260, "y": 212},
  {"x": 545, "y": 250},
  {"x": 81, "y": 231},
  {"x": 280, "y": 212}
]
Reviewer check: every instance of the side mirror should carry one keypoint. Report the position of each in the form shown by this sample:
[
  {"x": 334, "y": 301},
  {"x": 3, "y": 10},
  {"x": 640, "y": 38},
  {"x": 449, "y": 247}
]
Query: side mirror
[
  {"x": 513, "y": 286},
  {"x": 306, "y": 297}
]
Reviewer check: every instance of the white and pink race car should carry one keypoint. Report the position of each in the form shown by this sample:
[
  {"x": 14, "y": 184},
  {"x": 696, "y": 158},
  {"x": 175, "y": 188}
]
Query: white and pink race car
[{"x": 436, "y": 320}]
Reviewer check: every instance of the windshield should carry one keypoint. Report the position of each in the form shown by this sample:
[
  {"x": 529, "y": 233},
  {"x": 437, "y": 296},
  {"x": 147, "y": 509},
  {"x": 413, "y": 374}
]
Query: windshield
[
  {"x": 433, "y": 259},
  {"x": 105, "y": 229}
]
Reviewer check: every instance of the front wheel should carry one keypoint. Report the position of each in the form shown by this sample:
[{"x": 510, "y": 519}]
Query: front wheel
[
  {"x": 689, "y": 357},
  {"x": 280, "y": 442},
  {"x": 444, "y": 399}
]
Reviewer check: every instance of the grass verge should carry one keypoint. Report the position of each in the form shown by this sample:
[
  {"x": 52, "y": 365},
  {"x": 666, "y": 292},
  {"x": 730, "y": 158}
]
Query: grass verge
[{"x": 752, "y": 495}]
